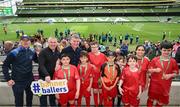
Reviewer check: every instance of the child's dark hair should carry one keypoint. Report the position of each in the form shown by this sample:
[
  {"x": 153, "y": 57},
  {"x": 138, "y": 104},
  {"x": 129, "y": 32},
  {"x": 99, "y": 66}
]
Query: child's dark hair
[
  {"x": 131, "y": 56},
  {"x": 111, "y": 53},
  {"x": 64, "y": 55},
  {"x": 120, "y": 57},
  {"x": 83, "y": 53},
  {"x": 139, "y": 46},
  {"x": 166, "y": 45}
]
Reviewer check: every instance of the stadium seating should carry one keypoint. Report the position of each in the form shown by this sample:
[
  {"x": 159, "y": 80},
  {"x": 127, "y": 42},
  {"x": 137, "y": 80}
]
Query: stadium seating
[
  {"x": 87, "y": 0},
  {"x": 96, "y": 8},
  {"x": 130, "y": 10}
]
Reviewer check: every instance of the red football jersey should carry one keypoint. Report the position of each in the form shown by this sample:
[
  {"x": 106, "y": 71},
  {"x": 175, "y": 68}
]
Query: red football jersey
[
  {"x": 74, "y": 75},
  {"x": 131, "y": 81},
  {"x": 85, "y": 76},
  {"x": 97, "y": 60},
  {"x": 110, "y": 75},
  {"x": 158, "y": 84},
  {"x": 143, "y": 67}
]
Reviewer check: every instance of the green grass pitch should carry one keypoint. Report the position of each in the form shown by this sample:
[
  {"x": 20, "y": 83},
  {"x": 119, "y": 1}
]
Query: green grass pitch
[{"x": 146, "y": 31}]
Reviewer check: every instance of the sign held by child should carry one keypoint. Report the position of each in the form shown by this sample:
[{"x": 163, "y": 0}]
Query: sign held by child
[{"x": 41, "y": 87}]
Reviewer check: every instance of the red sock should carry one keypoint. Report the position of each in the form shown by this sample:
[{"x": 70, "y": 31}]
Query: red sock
[
  {"x": 96, "y": 99},
  {"x": 105, "y": 102},
  {"x": 87, "y": 101},
  {"x": 101, "y": 98},
  {"x": 110, "y": 103},
  {"x": 79, "y": 100},
  {"x": 158, "y": 105},
  {"x": 72, "y": 105},
  {"x": 149, "y": 103},
  {"x": 127, "y": 105}
]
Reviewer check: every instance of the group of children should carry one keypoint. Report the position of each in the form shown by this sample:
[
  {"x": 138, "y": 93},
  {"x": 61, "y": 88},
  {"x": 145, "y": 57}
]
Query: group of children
[{"x": 113, "y": 74}]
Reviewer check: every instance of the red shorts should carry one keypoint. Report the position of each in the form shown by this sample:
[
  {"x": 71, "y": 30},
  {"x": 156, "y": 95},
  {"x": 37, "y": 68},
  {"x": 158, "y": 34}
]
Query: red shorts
[
  {"x": 95, "y": 85},
  {"x": 96, "y": 78},
  {"x": 83, "y": 90},
  {"x": 64, "y": 98},
  {"x": 160, "y": 98},
  {"x": 112, "y": 93},
  {"x": 129, "y": 98}
]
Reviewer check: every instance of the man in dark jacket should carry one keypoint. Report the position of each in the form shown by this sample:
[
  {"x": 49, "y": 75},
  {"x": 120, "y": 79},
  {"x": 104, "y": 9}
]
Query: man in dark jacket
[
  {"x": 73, "y": 50},
  {"x": 19, "y": 61},
  {"x": 47, "y": 62}
]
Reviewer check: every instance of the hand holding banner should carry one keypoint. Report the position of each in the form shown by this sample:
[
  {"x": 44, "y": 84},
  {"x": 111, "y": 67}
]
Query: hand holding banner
[{"x": 41, "y": 87}]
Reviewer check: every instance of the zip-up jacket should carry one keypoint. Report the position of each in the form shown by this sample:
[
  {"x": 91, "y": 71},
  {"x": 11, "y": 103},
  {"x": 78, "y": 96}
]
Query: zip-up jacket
[
  {"x": 19, "y": 61},
  {"x": 47, "y": 62}
]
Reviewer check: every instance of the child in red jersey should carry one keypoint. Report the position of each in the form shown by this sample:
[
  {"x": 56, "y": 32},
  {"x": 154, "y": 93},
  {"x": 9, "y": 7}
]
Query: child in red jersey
[
  {"x": 109, "y": 77},
  {"x": 69, "y": 72},
  {"x": 129, "y": 85},
  {"x": 121, "y": 61},
  {"x": 86, "y": 75},
  {"x": 97, "y": 59},
  {"x": 162, "y": 68},
  {"x": 143, "y": 63}
]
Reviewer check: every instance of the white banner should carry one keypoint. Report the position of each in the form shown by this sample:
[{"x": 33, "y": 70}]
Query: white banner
[{"x": 41, "y": 87}]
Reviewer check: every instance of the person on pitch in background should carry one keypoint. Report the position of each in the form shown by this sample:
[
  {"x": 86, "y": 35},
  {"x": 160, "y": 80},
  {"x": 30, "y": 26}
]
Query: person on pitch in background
[{"x": 162, "y": 69}]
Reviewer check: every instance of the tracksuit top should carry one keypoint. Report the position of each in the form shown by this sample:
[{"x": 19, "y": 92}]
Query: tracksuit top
[{"x": 19, "y": 61}]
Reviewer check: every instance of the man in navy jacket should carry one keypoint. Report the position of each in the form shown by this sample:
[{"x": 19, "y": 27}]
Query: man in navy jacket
[{"x": 19, "y": 61}]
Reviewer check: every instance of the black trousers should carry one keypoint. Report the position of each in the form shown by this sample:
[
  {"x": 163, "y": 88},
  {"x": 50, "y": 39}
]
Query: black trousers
[
  {"x": 18, "y": 91},
  {"x": 43, "y": 100}
]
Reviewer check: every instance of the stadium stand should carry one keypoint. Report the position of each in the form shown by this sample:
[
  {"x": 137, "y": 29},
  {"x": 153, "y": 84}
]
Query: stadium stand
[
  {"x": 91, "y": 0},
  {"x": 45, "y": 11},
  {"x": 97, "y": 8}
]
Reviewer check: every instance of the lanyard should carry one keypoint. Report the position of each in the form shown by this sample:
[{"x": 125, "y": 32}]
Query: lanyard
[
  {"x": 162, "y": 64},
  {"x": 84, "y": 71},
  {"x": 65, "y": 73},
  {"x": 113, "y": 71}
]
